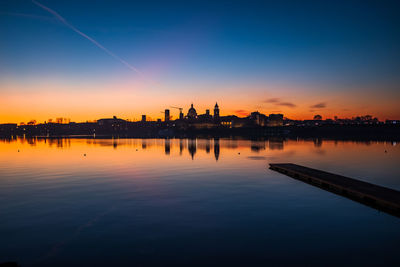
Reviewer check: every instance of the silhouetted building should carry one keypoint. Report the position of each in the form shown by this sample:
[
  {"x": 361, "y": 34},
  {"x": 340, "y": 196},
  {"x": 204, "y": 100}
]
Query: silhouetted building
[
  {"x": 258, "y": 118},
  {"x": 8, "y": 128},
  {"x": 239, "y": 122},
  {"x": 226, "y": 121},
  {"x": 275, "y": 120},
  {"x": 192, "y": 114},
  {"x": 114, "y": 122},
  {"x": 216, "y": 111},
  {"x": 166, "y": 115},
  {"x": 205, "y": 120},
  {"x": 143, "y": 118}
]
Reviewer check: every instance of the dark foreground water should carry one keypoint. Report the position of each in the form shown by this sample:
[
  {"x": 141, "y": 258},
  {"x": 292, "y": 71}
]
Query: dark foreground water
[{"x": 134, "y": 202}]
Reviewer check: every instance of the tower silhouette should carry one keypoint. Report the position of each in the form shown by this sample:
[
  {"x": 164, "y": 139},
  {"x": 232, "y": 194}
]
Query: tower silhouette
[{"x": 216, "y": 111}]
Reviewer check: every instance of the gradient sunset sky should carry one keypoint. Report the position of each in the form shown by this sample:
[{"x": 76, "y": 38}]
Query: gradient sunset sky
[{"x": 87, "y": 60}]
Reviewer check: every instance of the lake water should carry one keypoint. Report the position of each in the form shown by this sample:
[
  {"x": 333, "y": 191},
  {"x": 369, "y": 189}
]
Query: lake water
[{"x": 206, "y": 202}]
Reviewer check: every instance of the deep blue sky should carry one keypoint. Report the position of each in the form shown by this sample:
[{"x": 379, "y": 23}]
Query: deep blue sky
[{"x": 324, "y": 45}]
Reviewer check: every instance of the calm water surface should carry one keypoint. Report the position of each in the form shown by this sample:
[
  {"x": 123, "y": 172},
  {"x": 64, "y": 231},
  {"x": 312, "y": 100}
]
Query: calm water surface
[{"x": 203, "y": 202}]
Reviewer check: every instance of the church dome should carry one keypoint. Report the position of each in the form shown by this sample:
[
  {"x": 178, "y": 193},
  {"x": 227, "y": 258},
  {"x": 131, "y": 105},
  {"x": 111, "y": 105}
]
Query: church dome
[
  {"x": 192, "y": 112},
  {"x": 192, "y": 109}
]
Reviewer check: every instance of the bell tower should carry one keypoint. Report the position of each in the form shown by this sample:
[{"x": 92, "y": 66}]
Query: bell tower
[{"x": 216, "y": 111}]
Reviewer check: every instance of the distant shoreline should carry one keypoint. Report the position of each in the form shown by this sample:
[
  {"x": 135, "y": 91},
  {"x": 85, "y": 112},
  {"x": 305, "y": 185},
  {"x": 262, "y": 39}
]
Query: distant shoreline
[{"x": 346, "y": 132}]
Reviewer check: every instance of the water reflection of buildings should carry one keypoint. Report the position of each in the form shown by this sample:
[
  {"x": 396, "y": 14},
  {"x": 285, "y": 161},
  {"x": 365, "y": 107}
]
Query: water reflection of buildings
[
  {"x": 180, "y": 146},
  {"x": 208, "y": 146},
  {"x": 192, "y": 147},
  {"x": 167, "y": 146},
  {"x": 195, "y": 147},
  {"x": 216, "y": 148},
  {"x": 256, "y": 146},
  {"x": 275, "y": 144},
  {"x": 144, "y": 143},
  {"x": 317, "y": 142},
  {"x": 57, "y": 142}
]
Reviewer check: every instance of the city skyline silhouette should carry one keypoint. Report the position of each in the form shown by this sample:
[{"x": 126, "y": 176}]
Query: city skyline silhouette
[{"x": 199, "y": 133}]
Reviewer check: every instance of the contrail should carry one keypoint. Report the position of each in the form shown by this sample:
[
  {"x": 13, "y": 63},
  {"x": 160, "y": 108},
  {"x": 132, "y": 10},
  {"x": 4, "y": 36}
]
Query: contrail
[{"x": 66, "y": 23}]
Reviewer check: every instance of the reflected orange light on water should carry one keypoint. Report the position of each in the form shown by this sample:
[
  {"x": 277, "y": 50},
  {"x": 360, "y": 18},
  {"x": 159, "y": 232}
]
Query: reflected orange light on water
[
  {"x": 35, "y": 152},
  {"x": 143, "y": 158}
]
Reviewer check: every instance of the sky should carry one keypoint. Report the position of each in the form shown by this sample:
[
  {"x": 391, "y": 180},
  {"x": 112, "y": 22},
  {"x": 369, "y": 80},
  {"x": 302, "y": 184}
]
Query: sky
[{"x": 86, "y": 60}]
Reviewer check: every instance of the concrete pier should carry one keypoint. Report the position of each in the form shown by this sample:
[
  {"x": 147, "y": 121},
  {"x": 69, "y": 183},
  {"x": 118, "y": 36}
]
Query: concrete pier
[{"x": 378, "y": 197}]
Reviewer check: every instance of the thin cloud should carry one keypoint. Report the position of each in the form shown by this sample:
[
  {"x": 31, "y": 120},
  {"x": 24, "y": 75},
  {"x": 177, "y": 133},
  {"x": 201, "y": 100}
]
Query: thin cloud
[
  {"x": 279, "y": 102},
  {"x": 319, "y": 105},
  {"x": 66, "y": 23},
  {"x": 287, "y": 104},
  {"x": 24, "y": 15},
  {"x": 272, "y": 100}
]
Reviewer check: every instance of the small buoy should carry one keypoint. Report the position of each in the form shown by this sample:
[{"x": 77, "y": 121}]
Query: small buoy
[
  {"x": 136, "y": 149},
  {"x": 385, "y": 151},
  {"x": 239, "y": 153},
  {"x": 18, "y": 150},
  {"x": 84, "y": 155}
]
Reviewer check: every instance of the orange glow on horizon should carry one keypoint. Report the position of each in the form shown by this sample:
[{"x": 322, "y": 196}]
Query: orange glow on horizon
[{"x": 130, "y": 100}]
